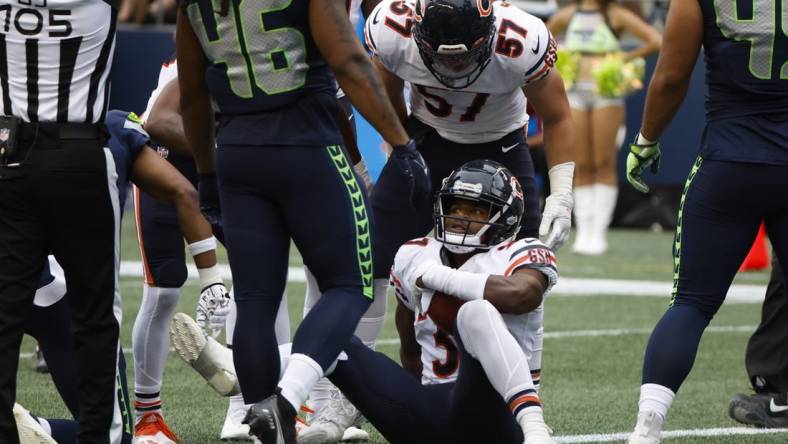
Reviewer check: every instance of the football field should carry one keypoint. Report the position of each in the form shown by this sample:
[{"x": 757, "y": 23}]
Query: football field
[{"x": 596, "y": 329}]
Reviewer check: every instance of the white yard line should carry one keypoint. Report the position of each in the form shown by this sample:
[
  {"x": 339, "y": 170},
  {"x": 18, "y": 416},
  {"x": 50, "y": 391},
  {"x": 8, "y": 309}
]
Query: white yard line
[
  {"x": 562, "y": 334},
  {"x": 611, "y": 437},
  {"x": 567, "y": 286},
  {"x": 615, "y": 332}
]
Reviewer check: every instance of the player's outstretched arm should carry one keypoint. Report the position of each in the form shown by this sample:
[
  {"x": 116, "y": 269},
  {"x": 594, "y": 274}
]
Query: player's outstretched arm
[
  {"x": 195, "y": 99},
  {"x": 681, "y": 43},
  {"x": 409, "y": 349},
  {"x": 394, "y": 89},
  {"x": 165, "y": 184},
  {"x": 164, "y": 122},
  {"x": 548, "y": 97},
  {"x": 353, "y": 68}
]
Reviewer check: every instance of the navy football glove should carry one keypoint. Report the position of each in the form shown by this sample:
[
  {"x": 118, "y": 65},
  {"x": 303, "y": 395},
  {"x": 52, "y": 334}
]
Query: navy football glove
[
  {"x": 414, "y": 168},
  {"x": 209, "y": 198}
]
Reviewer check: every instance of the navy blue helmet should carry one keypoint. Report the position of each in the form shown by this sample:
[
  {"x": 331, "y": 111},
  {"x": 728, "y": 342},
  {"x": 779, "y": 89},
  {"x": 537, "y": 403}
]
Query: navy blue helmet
[
  {"x": 455, "y": 38},
  {"x": 483, "y": 181}
]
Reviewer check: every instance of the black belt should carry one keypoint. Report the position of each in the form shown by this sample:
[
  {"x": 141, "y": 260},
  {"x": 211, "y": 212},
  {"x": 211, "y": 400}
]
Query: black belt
[{"x": 63, "y": 131}]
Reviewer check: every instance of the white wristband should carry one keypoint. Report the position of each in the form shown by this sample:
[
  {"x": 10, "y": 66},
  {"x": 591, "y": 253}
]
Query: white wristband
[
  {"x": 561, "y": 177},
  {"x": 209, "y": 276},
  {"x": 202, "y": 246},
  {"x": 640, "y": 140},
  {"x": 460, "y": 284}
]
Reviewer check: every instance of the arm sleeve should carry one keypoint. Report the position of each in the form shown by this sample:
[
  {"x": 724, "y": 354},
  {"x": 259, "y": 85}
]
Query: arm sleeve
[
  {"x": 406, "y": 258},
  {"x": 540, "y": 52}
]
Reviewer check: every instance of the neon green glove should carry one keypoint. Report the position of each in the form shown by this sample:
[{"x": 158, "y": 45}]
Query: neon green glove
[{"x": 642, "y": 156}]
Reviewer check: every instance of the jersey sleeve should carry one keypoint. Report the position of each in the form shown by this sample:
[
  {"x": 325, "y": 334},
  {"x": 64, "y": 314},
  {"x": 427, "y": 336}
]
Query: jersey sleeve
[
  {"x": 387, "y": 30},
  {"x": 540, "y": 53},
  {"x": 531, "y": 253},
  {"x": 407, "y": 256},
  {"x": 126, "y": 129}
]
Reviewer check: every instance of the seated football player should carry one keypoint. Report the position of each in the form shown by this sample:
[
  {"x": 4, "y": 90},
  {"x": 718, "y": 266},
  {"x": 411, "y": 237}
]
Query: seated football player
[
  {"x": 470, "y": 319},
  {"x": 49, "y": 322}
]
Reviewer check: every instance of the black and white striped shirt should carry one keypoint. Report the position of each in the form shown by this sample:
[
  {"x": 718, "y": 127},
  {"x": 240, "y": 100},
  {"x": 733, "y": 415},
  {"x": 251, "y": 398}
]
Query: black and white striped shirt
[{"x": 55, "y": 59}]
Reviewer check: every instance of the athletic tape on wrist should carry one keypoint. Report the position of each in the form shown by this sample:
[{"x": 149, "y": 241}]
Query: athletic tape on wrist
[
  {"x": 209, "y": 276},
  {"x": 461, "y": 284},
  {"x": 640, "y": 140},
  {"x": 202, "y": 246},
  {"x": 561, "y": 177}
]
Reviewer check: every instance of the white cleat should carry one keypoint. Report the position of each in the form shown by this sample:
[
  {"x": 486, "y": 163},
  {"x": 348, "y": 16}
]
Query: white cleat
[
  {"x": 334, "y": 423},
  {"x": 233, "y": 428},
  {"x": 535, "y": 430},
  {"x": 213, "y": 361},
  {"x": 30, "y": 431},
  {"x": 647, "y": 430}
]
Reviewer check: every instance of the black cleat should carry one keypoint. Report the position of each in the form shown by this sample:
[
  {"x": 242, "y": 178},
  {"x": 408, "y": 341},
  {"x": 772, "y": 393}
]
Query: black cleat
[
  {"x": 272, "y": 420},
  {"x": 766, "y": 410}
]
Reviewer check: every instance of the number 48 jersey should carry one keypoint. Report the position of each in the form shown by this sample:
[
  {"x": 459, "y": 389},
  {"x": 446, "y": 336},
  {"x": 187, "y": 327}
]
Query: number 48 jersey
[
  {"x": 439, "y": 353},
  {"x": 493, "y": 105}
]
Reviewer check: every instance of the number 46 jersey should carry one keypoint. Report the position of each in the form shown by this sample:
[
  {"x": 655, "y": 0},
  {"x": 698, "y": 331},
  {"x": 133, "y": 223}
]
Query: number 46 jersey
[
  {"x": 439, "y": 353},
  {"x": 493, "y": 105}
]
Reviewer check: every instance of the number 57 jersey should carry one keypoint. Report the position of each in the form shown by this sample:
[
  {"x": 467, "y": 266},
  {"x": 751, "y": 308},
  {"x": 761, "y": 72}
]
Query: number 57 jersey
[{"x": 523, "y": 51}]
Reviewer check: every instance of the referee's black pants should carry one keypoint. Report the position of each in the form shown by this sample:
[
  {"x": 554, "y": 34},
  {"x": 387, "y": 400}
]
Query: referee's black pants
[
  {"x": 63, "y": 199},
  {"x": 767, "y": 350}
]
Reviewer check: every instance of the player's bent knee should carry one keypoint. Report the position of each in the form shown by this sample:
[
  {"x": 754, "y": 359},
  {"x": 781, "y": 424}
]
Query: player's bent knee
[
  {"x": 474, "y": 319},
  {"x": 169, "y": 273}
]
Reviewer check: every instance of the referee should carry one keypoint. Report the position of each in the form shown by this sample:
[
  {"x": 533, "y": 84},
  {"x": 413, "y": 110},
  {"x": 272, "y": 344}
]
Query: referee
[{"x": 58, "y": 192}]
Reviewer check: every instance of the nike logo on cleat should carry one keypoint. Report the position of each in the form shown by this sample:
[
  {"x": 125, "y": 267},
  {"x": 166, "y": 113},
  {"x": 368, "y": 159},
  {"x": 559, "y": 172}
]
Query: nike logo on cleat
[
  {"x": 506, "y": 149},
  {"x": 774, "y": 408}
]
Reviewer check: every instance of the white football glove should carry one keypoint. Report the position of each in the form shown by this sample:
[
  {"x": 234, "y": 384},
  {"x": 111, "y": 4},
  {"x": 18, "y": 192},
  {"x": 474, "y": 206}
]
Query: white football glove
[
  {"x": 557, "y": 214},
  {"x": 556, "y": 219},
  {"x": 213, "y": 307}
]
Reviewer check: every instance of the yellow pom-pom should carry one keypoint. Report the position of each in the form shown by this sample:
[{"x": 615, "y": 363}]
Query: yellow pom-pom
[
  {"x": 617, "y": 78},
  {"x": 566, "y": 64}
]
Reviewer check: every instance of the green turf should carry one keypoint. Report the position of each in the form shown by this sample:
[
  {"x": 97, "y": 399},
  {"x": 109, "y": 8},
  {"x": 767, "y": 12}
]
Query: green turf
[{"x": 590, "y": 384}]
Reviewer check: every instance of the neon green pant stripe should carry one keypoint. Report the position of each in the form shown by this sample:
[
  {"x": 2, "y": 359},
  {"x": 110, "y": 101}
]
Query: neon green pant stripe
[
  {"x": 677, "y": 237},
  {"x": 363, "y": 235}
]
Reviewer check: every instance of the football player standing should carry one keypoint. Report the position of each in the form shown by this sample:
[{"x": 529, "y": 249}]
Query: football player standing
[
  {"x": 740, "y": 176},
  {"x": 281, "y": 172}
]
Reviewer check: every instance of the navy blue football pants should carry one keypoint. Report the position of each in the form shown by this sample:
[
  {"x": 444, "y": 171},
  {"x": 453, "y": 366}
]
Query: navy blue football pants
[
  {"x": 722, "y": 207},
  {"x": 397, "y": 222},
  {"x": 405, "y": 411},
  {"x": 270, "y": 194},
  {"x": 51, "y": 327}
]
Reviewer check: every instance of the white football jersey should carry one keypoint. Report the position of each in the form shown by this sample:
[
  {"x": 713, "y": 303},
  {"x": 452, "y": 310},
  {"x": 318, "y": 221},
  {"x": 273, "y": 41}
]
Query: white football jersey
[
  {"x": 439, "y": 353},
  {"x": 491, "y": 107},
  {"x": 169, "y": 72}
]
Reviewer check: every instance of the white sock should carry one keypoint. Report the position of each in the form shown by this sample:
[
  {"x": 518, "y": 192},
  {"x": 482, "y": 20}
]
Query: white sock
[
  {"x": 229, "y": 323},
  {"x": 487, "y": 339},
  {"x": 312, "y": 291},
  {"x": 44, "y": 425},
  {"x": 371, "y": 323},
  {"x": 584, "y": 213},
  {"x": 300, "y": 376},
  {"x": 605, "y": 198},
  {"x": 282, "y": 323},
  {"x": 150, "y": 337},
  {"x": 655, "y": 398}
]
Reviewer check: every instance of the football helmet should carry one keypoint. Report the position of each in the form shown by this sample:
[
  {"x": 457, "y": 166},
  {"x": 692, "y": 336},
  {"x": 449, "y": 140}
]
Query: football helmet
[
  {"x": 454, "y": 38},
  {"x": 484, "y": 181}
]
